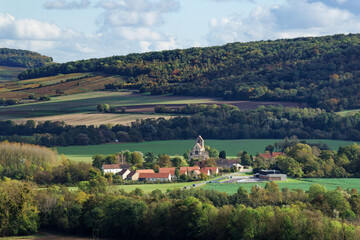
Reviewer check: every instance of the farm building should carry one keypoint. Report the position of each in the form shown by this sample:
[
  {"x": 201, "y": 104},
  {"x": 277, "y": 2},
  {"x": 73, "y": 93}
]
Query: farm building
[
  {"x": 229, "y": 163},
  {"x": 168, "y": 170},
  {"x": 114, "y": 168},
  {"x": 271, "y": 175},
  {"x": 145, "y": 171},
  {"x": 195, "y": 173},
  {"x": 210, "y": 170},
  {"x": 199, "y": 151},
  {"x": 153, "y": 177},
  {"x": 124, "y": 173},
  {"x": 133, "y": 176}
]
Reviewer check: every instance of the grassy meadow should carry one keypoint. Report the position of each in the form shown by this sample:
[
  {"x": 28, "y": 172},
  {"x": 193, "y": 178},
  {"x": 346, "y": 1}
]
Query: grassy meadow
[
  {"x": 178, "y": 147},
  {"x": 147, "y": 188},
  {"x": 349, "y": 112},
  {"x": 303, "y": 183}
]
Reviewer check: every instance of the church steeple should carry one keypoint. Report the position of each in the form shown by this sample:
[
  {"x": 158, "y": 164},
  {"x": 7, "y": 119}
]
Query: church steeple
[{"x": 200, "y": 141}]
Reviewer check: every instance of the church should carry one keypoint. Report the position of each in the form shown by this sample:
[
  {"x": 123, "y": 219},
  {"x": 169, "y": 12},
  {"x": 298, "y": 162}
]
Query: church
[{"x": 199, "y": 151}]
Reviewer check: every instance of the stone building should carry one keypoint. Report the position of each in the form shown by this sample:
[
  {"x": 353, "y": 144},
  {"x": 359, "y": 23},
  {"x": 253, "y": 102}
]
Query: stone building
[{"x": 199, "y": 151}]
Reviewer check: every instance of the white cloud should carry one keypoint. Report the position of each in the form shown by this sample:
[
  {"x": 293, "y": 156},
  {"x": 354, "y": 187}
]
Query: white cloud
[
  {"x": 350, "y": 5},
  {"x": 46, "y": 38},
  {"x": 294, "y": 18},
  {"x": 29, "y": 29},
  {"x": 62, "y": 4},
  {"x": 133, "y": 24}
]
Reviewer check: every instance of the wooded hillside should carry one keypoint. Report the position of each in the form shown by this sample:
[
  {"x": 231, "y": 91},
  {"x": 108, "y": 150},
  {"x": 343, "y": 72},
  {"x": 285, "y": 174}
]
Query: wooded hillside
[
  {"x": 22, "y": 58},
  {"x": 322, "y": 71}
]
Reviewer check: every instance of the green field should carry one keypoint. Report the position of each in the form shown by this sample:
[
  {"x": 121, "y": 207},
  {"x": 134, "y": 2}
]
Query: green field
[
  {"x": 349, "y": 112},
  {"x": 179, "y": 147},
  {"x": 147, "y": 188},
  {"x": 304, "y": 184}
]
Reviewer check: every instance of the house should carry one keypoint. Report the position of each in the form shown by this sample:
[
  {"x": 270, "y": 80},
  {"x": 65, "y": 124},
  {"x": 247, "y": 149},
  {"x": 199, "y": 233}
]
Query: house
[
  {"x": 168, "y": 170},
  {"x": 195, "y": 173},
  {"x": 124, "y": 173},
  {"x": 212, "y": 170},
  {"x": 205, "y": 171},
  {"x": 153, "y": 177},
  {"x": 271, "y": 175},
  {"x": 199, "y": 151},
  {"x": 188, "y": 170},
  {"x": 145, "y": 171},
  {"x": 229, "y": 163},
  {"x": 133, "y": 176},
  {"x": 114, "y": 168}
]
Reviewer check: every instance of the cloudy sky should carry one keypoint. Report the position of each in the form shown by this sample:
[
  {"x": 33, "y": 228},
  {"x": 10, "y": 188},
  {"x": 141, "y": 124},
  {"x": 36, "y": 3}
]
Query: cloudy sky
[{"x": 79, "y": 29}]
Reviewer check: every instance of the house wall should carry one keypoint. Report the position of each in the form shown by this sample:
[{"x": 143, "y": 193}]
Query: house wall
[{"x": 112, "y": 171}]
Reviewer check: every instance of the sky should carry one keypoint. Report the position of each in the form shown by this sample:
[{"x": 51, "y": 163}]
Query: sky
[{"x": 69, "y": 30}]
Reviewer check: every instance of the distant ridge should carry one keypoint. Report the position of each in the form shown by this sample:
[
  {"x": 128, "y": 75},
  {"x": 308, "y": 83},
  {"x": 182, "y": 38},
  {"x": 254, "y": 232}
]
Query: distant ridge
[
  {"x": 22, "y": 58},
  {"x": 320, "y": 71}
]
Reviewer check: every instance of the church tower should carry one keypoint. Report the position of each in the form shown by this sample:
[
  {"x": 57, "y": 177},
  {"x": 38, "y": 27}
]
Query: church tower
[
  {"x": 200, "y": 141},
  {"x": 199, "y": 151}
]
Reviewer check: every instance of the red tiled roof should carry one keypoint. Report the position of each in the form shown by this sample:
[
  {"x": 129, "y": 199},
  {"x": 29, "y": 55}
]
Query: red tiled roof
[
  {"x": 154, "y": 175},
  {"x": 145, "y": 171},
  {"x": 112, "y": 166},
  {"x": 183, "y": 171},
  {"x": 268, "y": 155},
  {"x": 203, "y": 170}
]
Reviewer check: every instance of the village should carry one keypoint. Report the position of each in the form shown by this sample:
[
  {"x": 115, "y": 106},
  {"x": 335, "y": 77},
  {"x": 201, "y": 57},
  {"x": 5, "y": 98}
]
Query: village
[{"x": 169, "y": 174}]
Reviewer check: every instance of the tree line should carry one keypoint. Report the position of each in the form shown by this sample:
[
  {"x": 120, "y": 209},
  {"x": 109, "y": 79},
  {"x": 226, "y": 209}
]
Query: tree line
[
  {"x": 215, "y": 122},
  {"x": 262, "y": 213},
  {"x": 321, "y": 71},
  {"x": 22, "y": 58}
]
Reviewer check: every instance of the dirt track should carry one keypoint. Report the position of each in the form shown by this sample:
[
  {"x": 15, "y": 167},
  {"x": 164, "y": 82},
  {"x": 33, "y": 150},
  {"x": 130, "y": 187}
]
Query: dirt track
[{"x": 240, "y": 104}]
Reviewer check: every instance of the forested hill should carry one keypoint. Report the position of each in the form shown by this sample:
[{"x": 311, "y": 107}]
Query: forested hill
[
  {"x": 22, "y": 58},
  {"x": 322, "y": 71}
]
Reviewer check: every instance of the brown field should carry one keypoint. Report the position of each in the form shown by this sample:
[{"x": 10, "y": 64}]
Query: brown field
[
  {"x": 9, "y": 73},
  {"x": 95, "y": 119},
  {"x": 51, "y": 85}
]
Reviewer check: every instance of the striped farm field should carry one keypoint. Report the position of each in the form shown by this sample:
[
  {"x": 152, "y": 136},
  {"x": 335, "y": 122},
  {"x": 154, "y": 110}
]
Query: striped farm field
[
  {"x": 179, "y": 147},
  {"x": 302, "y": 183},
  {"x": 58, "y": 85},
  {"x": 9, "y": 73},
  {"x": 85, "y": 102}
]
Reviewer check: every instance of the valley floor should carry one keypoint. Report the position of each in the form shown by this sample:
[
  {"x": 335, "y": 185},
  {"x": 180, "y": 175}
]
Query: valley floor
[{"x": 179, "y": 147}]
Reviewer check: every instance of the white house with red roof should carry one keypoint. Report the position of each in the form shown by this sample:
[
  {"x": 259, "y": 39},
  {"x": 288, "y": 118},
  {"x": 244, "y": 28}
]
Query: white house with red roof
[
  {"x": 153, "y": 177},
  {"x": 114, "y": 168}
]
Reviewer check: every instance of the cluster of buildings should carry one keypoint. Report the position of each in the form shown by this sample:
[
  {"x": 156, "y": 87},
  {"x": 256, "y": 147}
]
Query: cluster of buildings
[
  {"x": 198, "y": 152},
  {"x": 164, "y": 174}
]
